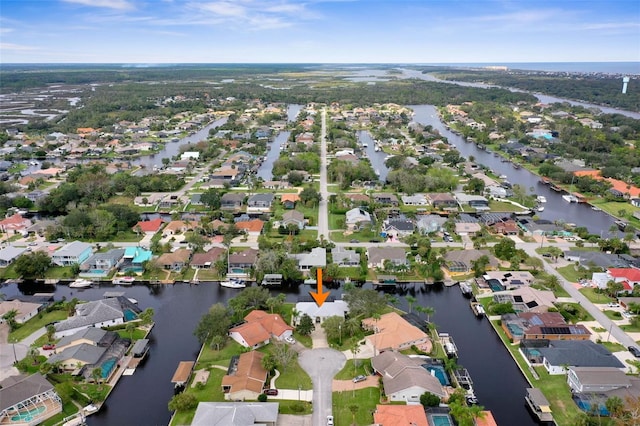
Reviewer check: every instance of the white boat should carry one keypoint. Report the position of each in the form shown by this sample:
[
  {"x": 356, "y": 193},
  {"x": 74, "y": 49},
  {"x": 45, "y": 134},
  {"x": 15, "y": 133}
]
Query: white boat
[
  {"x": 232, "y": 284},
  {"x": 596, "y": 209},
  {"x": 502, "y": 176},
  {"x": 477, "y": 309},
  {"x": 365, "y": 145},
  {"x": 377, "y": 148},
  {"x": 132, "y": 300},
  {"x": 466, "y": 289},
  {"x": 81, "y": 283},
  {"x": 569, "y": 198},
  {"x": 310, "y": 281},
  {"x": 540, "y": 208},
  {"x": 123, "y": 280},
  {"x": 541, "y": 199}
]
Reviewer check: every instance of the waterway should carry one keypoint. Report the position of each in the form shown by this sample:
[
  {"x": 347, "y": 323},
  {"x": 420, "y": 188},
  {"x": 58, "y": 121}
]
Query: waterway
[
  {"x": 377, "y": 159},
  {"x": 142, "y": 399},
  {"x": 266, "y": 168},
  {"x": 555, "y": 209}
]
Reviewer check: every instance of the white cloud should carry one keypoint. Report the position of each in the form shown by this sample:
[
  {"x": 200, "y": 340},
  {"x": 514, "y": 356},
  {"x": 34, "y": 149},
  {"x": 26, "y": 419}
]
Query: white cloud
[
  {"x": 110, "y": 4},
  {"x": 16, "y": 47}
]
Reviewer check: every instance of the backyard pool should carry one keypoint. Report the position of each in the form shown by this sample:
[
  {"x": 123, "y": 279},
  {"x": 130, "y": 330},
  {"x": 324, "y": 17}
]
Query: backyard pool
[
  {"x": 439, "y": 373},
  {"x": 28, "y": 415},
  {"x": 440, "y": 420}
]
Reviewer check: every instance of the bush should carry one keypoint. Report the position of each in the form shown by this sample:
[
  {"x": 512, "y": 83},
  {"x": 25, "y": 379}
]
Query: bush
[
  {"x": 262, "y": 398},
  {"x": 297, "y": 407},
  {"x": 428, "y": 399},
  {"x": 183, "y": 401}
]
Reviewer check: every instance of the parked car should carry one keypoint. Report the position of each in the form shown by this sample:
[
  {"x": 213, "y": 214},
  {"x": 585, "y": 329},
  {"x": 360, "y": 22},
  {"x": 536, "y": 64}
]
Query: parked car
[
  {"x": 354, "y": 241},
  {"x": 329, "y": 420},
  {"x": 359, "y": 378},
  {"x": 613, "y": 305},
  {"x": 290, "y": 339},
  {"x": 626, "y": 314},
  {"x": 271, "y": 392},
  {"x": 49, "y": 347},
  {"x": 634, "y": 351}
]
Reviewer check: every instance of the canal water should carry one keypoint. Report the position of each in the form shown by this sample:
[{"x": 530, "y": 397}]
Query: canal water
[
  {"x": 142, "y": 399},
  {"x": 377, "y": 159},
  {"x": 555, "y": 208},
  {"x": 266, "y": 168}
]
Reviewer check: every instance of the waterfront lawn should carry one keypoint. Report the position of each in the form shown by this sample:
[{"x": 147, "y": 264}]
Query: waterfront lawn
[
  {"x": 502, "y": 206},
  {"x": 614, "y": 207},
  {"x": 136, "y": 335},
  {"x": 59, "y": 272},
  {"x": 209, "y": 392},
  {"x": 363, "y": 366},
  {"x": 36, "y": 323},
  {"x": 95, "y": 392},
  {"x": 68, "y": 409},
  {"x": 595, "y": 295},
  {"x": 210, "y": 356},
  {"x": 366, "y": 401}
]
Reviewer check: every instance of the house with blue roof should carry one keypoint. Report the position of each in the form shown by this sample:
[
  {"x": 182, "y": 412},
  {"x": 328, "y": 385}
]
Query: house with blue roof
[{"x": 134, "y": 258}]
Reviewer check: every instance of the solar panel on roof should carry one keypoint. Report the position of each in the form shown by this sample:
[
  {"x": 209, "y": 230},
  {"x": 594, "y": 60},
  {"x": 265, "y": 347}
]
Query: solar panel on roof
[
  {"x": 535, "y": 320},
  {"x": 555, "y": 330},
  {"x": 519, "y": 300},
  {"x": 516, "y": 282},
  {"x": 531, "y": 304}
]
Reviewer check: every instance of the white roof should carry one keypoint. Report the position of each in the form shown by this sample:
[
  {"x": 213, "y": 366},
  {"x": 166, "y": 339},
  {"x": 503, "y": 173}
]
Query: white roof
[{"x": 328, "y": 309}]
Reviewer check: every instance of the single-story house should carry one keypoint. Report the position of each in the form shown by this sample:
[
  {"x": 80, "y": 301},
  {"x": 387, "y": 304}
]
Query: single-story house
[
  {"x": 232, "y": 200},
  {"x": 390, "y": 415},
  {"x": 404, "y": 378},
  {"x": 525, "y": 298},
  {"x": 148, "y": 226},
  {"x": 240, "y": 263},
  {"x": 258, "y": 328},
  {"x": 247, "y": 379},
  {"x": 392, "y": 332},
  {"x": 467, "y": 228},
  {"x": 236, "y": 414},
  {"x": 386, "y": 199},
  {"x": 9, "y": 254},
  {"x": 442, "y": 201},
  {"x": 345, "y": 257},
  {"x": 477, "y": 202},
  {"x": 357, "y": 218},
  {"x": 252, "y": 227},
  {"x": 510, "y": 280},
  {"x": 24, "y": 310},
  {"x": 597, "y": 379},
  {"x": 74, "y": 253},
  {"x": 542, "y": 325},
  {"x": 317, "y": 258},
  {"x": 98, "y": 313},
  {"x": 176, "y": 260},
  {"x": 176, "y": 227},
  {"x": 561, "y": 354},
  {"x": 289, "y": 200},
  {"x": 505, "y": 227},
  {"x": 318, "y": 314},
  {"x": 589, "y": 259},
  {"x": 207, "y": 260},
  {"x": 460, "y": 262},
  {"x": 260, "y": 202},
  {"x": 431, "y": 223},
  {"x": 33, "y": 394},
  {"x": 14, "y": 224},
  {"x": 398, "y": 227},
  {"x": 294, "y": 217},
  {"x": 90, "y": 336},
  {"x": 414, "y": 200},
  {"x": 376, "y": 256}
]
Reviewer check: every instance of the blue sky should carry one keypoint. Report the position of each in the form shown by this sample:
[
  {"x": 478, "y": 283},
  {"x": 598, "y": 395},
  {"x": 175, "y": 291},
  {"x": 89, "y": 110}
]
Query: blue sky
[{"x": 319, "y": 31}]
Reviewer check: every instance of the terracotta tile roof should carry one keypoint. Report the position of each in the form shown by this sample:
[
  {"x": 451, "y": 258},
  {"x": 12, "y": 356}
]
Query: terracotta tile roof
[
  {"x": 149, "y": 225},
  {"x": 175, "y": 225},
  {"x": 616, "y": 184},
  {"x": 273, "y": 323},
  {"x": 486, "y": 419},
  {"x": 400, "y": 415},
  {"x": 392, "y": 331},
  {"x": 252, "y": 333},
  {"x": 289, "y": 197},
  {"x": 254, "y": 225},
  {"x": 631, "y": 274},
  {"x": 249, "y": 374}
]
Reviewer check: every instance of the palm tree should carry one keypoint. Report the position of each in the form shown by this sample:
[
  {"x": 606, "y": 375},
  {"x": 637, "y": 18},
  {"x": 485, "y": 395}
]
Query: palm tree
[
  {"x": 427, "y": 310},
  {"x": 411, "y": 300},
  {"x": 354, "y": 409},
  {"x": 96, "y": 374}
]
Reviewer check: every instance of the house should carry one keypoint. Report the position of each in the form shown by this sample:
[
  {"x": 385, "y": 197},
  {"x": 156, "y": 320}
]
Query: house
[
  {"x": 376, "y": 256},
  {"x": 506, "y": 227},
  {"x": 148, "y": 226},
  {"x": 176, "y": 260},
  {"x": 317, "y": 258},
  {"x": 357, "y": 218},
  {"x": 100, "y": 264},
  {"x": 232, "y": 200},
  {"x": 236, "y": 414},
  {"x": 207, "y": 260},
  {"x": 289, "y": 200},
  {"x": 99, "y": 313},
  {"x": 258, "y": 328},
  {"x": 629, "y": 275},
  {"x": 496, "y": 191},
  {"x": 245, "y": 379},
  {"x": 540, "y": 227},
  {"x": 358, "y": 199},
  {"x": 318, "y": 314},
  {"x": 635, "y": 202},
  {"x": 460, "y": 262},
  {"x": 442, "y": 201},
  {"x": 260, "y": 203},
  {"x": 558, "y": 355},
  {"x": 414, "y": 200},
  {"x": 590, "y": 259},
  {"x": 524, "y": 298},
  {"x": 74, "y": 253},
  {"x": 293, "y": 217},
  {"x": 541, "y": 325},
  {"x": 477, "y": 202},
  {"x": 242, "y": 262},
  {"x": 90, "y": 336},
  {"x": 344, "y": 257},
  {"x": 404, "y": 379},
  {"x": 176, "y": 227},
  {"x": 24, "y": 310},
  {"x": 251, "y": 227},
  {"x": 33, "y": 394},
  {"x": 392, "y": 332},
  {"x": 392, "y": 415},
  {"x": 467, "y": 228},
  {"x": 134, "y": 259},
  {"x": 9, "y": 254},
  {"x": 14, "y": 224},
  {"x": 431, "y": 223},
  {"x": 597, "y": 379},
  {"x": 510, "y": 280},
  {"x": 88, "y": 349},
  {"x": 398, "y": 227},
  {"x": 386, "y": 199}
]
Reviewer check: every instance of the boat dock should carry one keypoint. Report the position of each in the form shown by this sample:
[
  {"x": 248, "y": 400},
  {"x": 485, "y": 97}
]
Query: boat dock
[
  {"x": 477, "y": 308},
  {"x": 466, "y": 288},
  {"x": 448, "y": 345},
  {"x": 182, "y": 374},
  {"x": 538, "y": 404}
]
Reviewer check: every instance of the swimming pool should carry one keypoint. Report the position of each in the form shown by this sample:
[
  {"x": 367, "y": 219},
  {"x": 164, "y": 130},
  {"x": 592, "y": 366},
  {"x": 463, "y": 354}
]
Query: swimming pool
[
  {"x": 29, "y": 415},
  {"x": 440, "y": 420},
  {"x": 495, "y": 285},
  {"x": 107, "y": 367},
  {"x": 129, "y": 315},
  {"x": 439, "y": 373},
  {"x": 515, "y": 330}
]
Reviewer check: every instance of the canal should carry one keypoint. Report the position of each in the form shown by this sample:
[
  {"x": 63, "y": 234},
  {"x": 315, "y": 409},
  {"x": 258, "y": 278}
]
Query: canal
[
  {"x": 376, "y": 158},
  {"x": 142, "y": 399},
  {"x": 266, "y": 168}
]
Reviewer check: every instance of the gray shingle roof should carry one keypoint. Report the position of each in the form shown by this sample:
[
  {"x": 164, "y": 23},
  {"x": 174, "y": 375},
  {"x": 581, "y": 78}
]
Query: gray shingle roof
[
  {"x": 10, "y": 253},
  {"x": 92, "y": 313},
  {"x": 235, "y": 413},
  {"x": 579, "y": 353},
  {"x": 92, "y": 334},
  {"x": 72, "y": 249},
  {"x": 399, "y": 372},
  {"x": 84, "y": 352},
  {"x": 22, "y": 389}
]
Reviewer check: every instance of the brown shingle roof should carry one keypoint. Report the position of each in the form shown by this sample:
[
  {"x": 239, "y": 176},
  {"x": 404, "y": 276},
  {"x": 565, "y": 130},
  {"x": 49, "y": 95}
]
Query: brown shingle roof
[{"x": 250, "y": 375}]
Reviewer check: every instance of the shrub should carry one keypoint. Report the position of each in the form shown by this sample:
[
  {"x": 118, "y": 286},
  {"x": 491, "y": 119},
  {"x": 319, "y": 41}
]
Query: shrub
[{"x": 428, "y": 399}]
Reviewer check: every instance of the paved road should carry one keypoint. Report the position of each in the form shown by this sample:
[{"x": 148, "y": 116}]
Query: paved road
[
  {"x": 321, "y": 365},
  {"x": 323, "y": 216}
]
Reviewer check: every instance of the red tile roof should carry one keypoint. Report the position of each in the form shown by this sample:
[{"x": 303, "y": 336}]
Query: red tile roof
[
  {"x": 254, "y": 225},
  {"x": 396, "y": 415},
  {"x": 631, "y": 274},
  {"x": 149, "y": 225}
]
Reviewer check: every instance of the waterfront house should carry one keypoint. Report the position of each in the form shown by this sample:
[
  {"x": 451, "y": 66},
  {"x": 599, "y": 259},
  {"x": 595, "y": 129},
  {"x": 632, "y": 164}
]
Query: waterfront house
[
  {"x": 32, "y": 394},
  {"x": 74, "y": 253},
  {"x": 469, "y": 229},
  {"x": 100, "y": 264},
  {"x": 345, "y": 257},
  {"x": 336, "y": 308},
  {"x": 246, "y": 377},
  {"x": 431, "y": 223},
  {"x": 442, "y": 201},
  {"x": 496, "y": 191},
  {"x": 540, "y": 227},
  {"x": 386, "y": 199},
  {"x": 404, "y": 379},
  {"x": 90, "y": 336},
  {"x": 391, "y": 415},
  {"x": 392, "y": 332},
  {"x": 24, "y": 310},
  {"x": 357, "y": 218},
  {"x": 242, "y": 262},
  {"x": 14, "y": 224},
  {"x": 597, "y": 379},
  {"x": 251, "y": 227},
  {"x": 259, "y": 327},
  {"x": 260, "y": 203},
  {"x": 376, "y": 256},
  {"x": 176, "y": 260},
  {"x": 293, "y": 217},
  {"x": 208, "y": 260},
  {"x": 236, "y": 414},
  {"x": 232, "y": 201},
  {"x": 477, "y": 202},
  {"x": 148, "y": 226},
  {"x": 317, "y": 258},
  {"x": 9, "y": 254},
  {"x": 98, "y": 313},
  {"x": 558, "y": 355},
  {"x": 134, "y": 258},
  {"x": 523, "y": 298},
  {"x": 398, "y": 227},
  {"x": 510, "y": 280},
  {"x": 414, "y": 200},
  {"x": 460, "y": 262},
  {"x": 289, "y": 200},
  {"x": 542, "y": 325}
]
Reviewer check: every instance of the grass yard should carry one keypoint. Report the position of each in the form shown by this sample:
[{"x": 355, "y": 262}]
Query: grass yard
[
  {"x": 211, "y": 356},
  {"x": 36, "y": 323},
  {"x": 595, "y": 296},
  {"x": 210, "y": 392},
  {"x": 365, "y": 400},
  {"x": 298, "y": 408},
  {"x": 569, "y": 273},
  {"x": 502, "y": 206},
  {"x": 350, "y": 371},
  {"x": 293, "y": 377},
  {"x": 613, "y": 347},
  {"x": 613, "y": 315}
]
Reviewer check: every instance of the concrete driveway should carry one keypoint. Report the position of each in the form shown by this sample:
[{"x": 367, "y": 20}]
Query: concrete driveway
[{"x": 321, "y": 365}]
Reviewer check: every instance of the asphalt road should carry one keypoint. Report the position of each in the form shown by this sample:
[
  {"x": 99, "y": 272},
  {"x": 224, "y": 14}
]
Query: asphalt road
[
  {"x": 323, "y": 215},
  {"x": 321, "y": 365}
]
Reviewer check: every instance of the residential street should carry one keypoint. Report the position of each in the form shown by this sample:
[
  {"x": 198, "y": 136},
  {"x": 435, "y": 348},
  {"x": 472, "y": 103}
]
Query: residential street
[{"x": 323, "y": 214}]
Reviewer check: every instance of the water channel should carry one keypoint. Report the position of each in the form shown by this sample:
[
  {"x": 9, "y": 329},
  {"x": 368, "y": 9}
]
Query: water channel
[
  {"x": 142, "y": 399},
  {"x": 265, "y": 170}
]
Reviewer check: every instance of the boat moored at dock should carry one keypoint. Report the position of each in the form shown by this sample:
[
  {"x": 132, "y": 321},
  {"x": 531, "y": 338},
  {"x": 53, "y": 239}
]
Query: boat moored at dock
[
  {"x": 449, "y": 346},
  {"x": 478, "y": 309},
  {"x": 123, "y": 280},
  {"x": 233, "y": 283},
  {"x": 538, "y": 404},
  {"x": 81, "y": 283},
  {"x": 466, "y": 288}
]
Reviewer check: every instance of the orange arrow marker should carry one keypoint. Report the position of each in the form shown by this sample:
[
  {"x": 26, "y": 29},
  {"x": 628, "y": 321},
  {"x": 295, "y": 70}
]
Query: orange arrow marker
[{"x": 318, "y": 295}]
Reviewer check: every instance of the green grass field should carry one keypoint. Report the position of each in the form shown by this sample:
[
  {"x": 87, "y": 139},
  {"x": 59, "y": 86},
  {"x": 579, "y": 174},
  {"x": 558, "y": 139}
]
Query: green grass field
[{"x": 363, "y": 401}]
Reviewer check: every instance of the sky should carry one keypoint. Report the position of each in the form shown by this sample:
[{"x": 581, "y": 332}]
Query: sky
[{"x": 318, "y": 31}]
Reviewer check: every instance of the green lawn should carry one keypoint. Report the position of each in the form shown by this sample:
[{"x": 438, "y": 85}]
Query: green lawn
[
  {"x": 502, "y": 206},
  {"x": 298, "y": 408},
  {"x": 613, "y": 347},
  {"x": 210, "y": 392},
  {"x": 293, "y": 377},
  {"x": 349, "y": 371},
  {"x": 35, "y": 323},
  {"x": 595, "y": 296},
  {"x": 614, "y": 315},
  {"x": 364, "y": 399},
  {"x": 569, "y": 273},
  {"x": 211, "y": 356}
]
